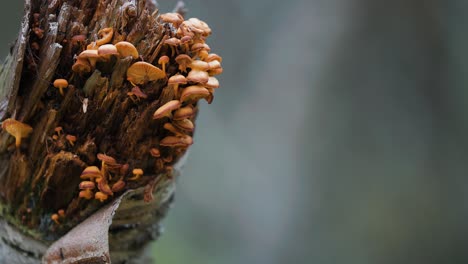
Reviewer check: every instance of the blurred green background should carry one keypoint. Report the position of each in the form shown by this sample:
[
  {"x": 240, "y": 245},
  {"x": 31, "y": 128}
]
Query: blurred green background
[{"x": 338, "y": 135}]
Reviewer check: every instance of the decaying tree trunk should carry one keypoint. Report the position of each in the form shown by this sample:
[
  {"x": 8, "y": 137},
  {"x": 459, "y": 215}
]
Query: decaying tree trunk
[{"x": 97, "y": 113}]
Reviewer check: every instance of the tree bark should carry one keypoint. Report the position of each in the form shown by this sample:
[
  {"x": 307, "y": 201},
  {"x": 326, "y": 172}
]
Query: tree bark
[{"x": 41, "y": 177}]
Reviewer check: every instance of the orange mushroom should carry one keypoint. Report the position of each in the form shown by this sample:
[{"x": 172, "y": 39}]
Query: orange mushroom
[
  {"x": 71, "y": 139},
  {"x": 106, "y": 51},
  {"x": 142, "y": 72},
  {"x": 194, "y": 93},
  {"x": 91, "y": 173},
  {"x": 183, "y": 60},
  {"x": 184, "y": 125},
  {"x": 137, "y": 173},
  {"x": 163, "y": 61},
  {"x": 61, "y": 84},
  {"x": 91, "y": 55},
  {"x": 16, "y": 129},
  {"x": 174, "y": 141},
  {"x": 81, "y": 66},
  {"x": 199, "y": 72},
  {"x": 105, "y": 36},
  {"x": 175, "y": 18},
  {"x": 166, "y": 109},
  {"x": 183, "y": 113},
  {"x": 126, "y": 49},
  {"x": 100, "y": 196},
  {"x": 175, "y": 81}
]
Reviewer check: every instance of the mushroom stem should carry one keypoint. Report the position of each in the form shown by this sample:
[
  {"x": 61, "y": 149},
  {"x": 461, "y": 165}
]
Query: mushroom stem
[{"x": 61, "y": 90}]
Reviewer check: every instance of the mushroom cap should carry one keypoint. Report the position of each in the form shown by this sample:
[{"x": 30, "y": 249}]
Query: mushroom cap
[
  {"x": 88, "y": 54},
  {"x": 60, "y": 83},
  {"x": 16, "y": 128},
  {"x": 91, "y": 172},
  {"x": 185, "y": 125},
  {"x": 105, "y": 36},
  {"x": 100, "y": 196},
  {"x": 174, "y": 141},
  {"x": 163, "y": 59},
  {"x": 126, "y": 49},
  {"x": 212, "y": 83},
  {"x": 142, "y": 72},
  {"x": 118, "y": 186},
  {"x": 217, "y": 71},
  {"x": 183, "y": 60},
  {"x": 200, "y": 27},
  {"x": 212, "y": 57},
  {"x": 183, "y": 113},
  {"x": 174, "y": 18},
  {"x": 86, "y": 194},
  {"x": 81, "y": 66},
  {"x": 199, "y": 65},
  {"x": 198, "y": 76},
  {"x": 107, "y": 49},
  {"x": 138, "y": 92},
  {"x": 177, "y": 79},
  {"x": 87, "y": 185},
  {"x": 172, "y": 41},
  {"x": 137, "y": 171},
  {"x": 155, "y": 152},
  {"x": 200, "y": 46},
  {"x": 173, "y": 129},
  {"x": 70, "y": 138},
  {"x": 194, "y": 93},
  {"x": 166, "y": 109},
  {"x": 107, "y": 159}
]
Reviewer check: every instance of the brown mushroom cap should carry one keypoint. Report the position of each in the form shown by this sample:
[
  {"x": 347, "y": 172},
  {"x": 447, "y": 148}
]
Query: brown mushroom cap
[
  {"x": 212, "y": 83},
  {"x": 118, "y": 186},
  {"x": 212, "y": 57},
  {"x": 163, "y": 59},
  {"x": 61, "y": 83},
  {"x": 87, "y": 185},
  {"x": 142, "y": 72},
  {"x": 166, "y": 109},
  {"x": 100, "y": 196},
  {"x": 16, "y": 129},
  {"x": 86, "y": 194},
  {"x": 90, "y": 55},
  {"x": 107, "y": 159},
  {"x": 107, "y": 50},
  {"x": 137, "y": 92},
  {"x": 194, "y": 93},
  {"x": 177, "y": 79},
  {"x": 175, "y": 18},
  {"x": 174, "y": 141},
  {"x": 81, "y": 66},
  {"x": 183, "y": 113},
  {"x": 173, "y": 129},
  {"x": 91, "y": 173},
  {"x": 155, "y": 152},
  {"x": 126, "y": 49},
  {"x": 183, "y": 60},
  {"x": 105, "y": 36},
  {"x": 194, "y": 27},
  {"x": 197, "y": 76},
  {"x": 172, "y": 41},
  {"x": 184, "y": 124}
]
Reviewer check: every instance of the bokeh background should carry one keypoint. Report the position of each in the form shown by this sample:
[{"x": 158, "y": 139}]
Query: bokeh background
[{"x": 339, "y": 135}]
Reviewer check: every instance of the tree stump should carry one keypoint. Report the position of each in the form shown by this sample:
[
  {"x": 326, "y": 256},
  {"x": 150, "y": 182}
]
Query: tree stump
[{"x": 102, "y": 118}]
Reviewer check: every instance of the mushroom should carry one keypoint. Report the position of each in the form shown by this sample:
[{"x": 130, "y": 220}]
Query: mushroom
[
  {"x": 183, "y": 60},
  {"x": 184, "y": 125},
  {"x": 106, "y": 51},
  {"x": 212, "y": 83},
  {"x": 16, "y": 129},
  {"x": 100, "y": 196},
  {"x": 81, "y": 66},
  {"x": 90, "y": 55},
  {"x": 142, "y": 72},
  {"x": 173, "y": 129},
  {"x": 201, "y": 50},
  {"x": 60, "y": 84},
  {"x": 126, "y": 49},
  {"x": 175, "y": 18},
  {"x": 61, "y": 213},
  {"x": 155, "y": 152},
  {"x": 105, "y": 36},
  {"x": 173, "y": 43},
  {"x": 163, "y": 61},
  {"x": 86, "y": 194},
  {"x": 186, "y": 40},
  {"x": 199, "y": 72},
  {"x": 195, "y": 28},
  {"x": 212, "y": 57},
  {"x": 174, "y": 141},
  {"x": 137, "y": 173},
  {"x": 87, "y": 185},
  {"x": 71, "y": 139},
  {"x": 118, "y": 186},
  {"x": 194, "y": 93},
  {"x": 166, "y": 109},
  {"x": 55, "y": 218},
  {"x": 183, "y": 113},
  {"x": 175, "y": 81},
  {"x": 91, "y": 173},
  {"x": 136, "y": 91}
]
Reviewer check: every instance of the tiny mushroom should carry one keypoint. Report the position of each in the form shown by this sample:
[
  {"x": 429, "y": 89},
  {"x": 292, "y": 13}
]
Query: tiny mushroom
[
  {"x": 184, "y": 125},
  {"x": 166, "y": 109},
  {"x": 201, "y": 50},
  {"x": 137, "y": 173},
  {"x": 163, "y": 61},
  {"x": 91, "y": 173},
  {"x": 212, "y": 57},
  {"x": 137, "y": 92},
  {"x": 183, "y": 60},
  {"x": 118, "y": 186},
  {"x": 61, "y": 213},
  {"x": 16, "y": 129},
  {"x": 173, "y": 43},
  {"x": 183, "y": 113},
  {"x": 60, "y": 84},
  {"x": 100, "y": 196},
  {"x": 174, "y": 141},
  {"x": 126, "y": 49},
  {"x": 71, "y": 139},
  {"x": 86, "y": 194},
  {"x": 175, "y": 18},
  {"x": 155, "y": 152},
  {"x": 87, "y": 185},
  {"x": 194, "y": 93},
  {"x": 142, "y": 72},
  {"x": 107, "y": 50},
  {"x": 175, "y": 81},
  {"x": 81, "y": 66},
  {"x": 91, "y": 55},
  {"x": 55, "y": 218},
  {"x": 173, "y": 129},
  {"x": 199, "y": 72},
  {"x": 105, "y": 36},
  {"x": 186, "y": 40}
]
